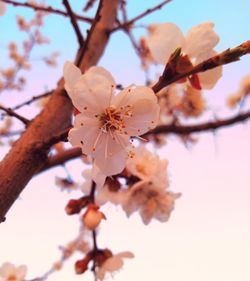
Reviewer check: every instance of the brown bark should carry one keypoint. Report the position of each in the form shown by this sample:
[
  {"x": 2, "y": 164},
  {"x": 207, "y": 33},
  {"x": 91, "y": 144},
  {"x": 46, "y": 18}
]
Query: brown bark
[{"x": 29, "y": 153}]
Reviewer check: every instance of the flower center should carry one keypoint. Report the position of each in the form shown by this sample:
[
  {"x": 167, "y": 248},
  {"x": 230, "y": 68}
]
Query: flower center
[{"x": 113, "y": 119}]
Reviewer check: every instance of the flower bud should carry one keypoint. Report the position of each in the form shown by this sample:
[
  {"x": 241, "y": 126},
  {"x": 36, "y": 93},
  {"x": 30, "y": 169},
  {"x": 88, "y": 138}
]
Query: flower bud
[
  {"x": 74, "y": 206},
  {"x": 92, "y": 217},
  {"x": 82, "y": 265}
]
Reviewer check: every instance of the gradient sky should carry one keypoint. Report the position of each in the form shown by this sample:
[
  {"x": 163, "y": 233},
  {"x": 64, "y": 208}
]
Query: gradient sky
[{"x": 208, "y": 235}]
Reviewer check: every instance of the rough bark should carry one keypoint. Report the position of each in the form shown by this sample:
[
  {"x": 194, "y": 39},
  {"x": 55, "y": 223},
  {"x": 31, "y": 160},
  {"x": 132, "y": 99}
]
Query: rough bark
[{"x": 30, "y": 152}]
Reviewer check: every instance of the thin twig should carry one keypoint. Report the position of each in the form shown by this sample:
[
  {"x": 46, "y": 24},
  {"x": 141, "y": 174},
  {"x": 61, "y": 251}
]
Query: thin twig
[
  {"x": 140, "y": 16},
  {"x": 47, "y": 9},
  {"x": 34, "y": 98},
  {"x": 10, "y": 112},
  {"x": 74, "y": 23}
]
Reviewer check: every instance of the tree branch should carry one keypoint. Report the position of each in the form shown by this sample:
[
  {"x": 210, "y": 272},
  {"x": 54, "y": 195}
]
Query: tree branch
[
  {"x": 127, "y": 24},
  {"x": 170, "y": 75},
  {"x": 10, "y": 112},
  {"x": 47, "y": 9},
  {"x": 26, "y": 157},
  {"x": 199, "y": 128},
  {"x": 34, "y": 98},
  {"x": 74, "y": 22}
]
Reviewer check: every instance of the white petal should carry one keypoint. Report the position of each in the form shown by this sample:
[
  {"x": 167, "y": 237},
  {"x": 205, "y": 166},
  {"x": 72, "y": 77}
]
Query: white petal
[
  {"x": 112, "y": 264},
  {"x": 163, "y": 41},
  {"x": 111, "y": 143},
  {"x": 131, "y": 95},
  {"x": 97, "y": 176},
  {"x": 71, "y": 74},
  {"x": 145, "y": 116},
  {"x": 93, "y": 92},
  {"x": 98, "y": 70},
  {"x": 111, "y": 165},
  {"x": 127, "y": 254},
  {"x": 7, "y": 269},
  {"x": 201, "y": 39},
  {"x": 85, "y": 136},
  {"x": 21, "y": 272}
]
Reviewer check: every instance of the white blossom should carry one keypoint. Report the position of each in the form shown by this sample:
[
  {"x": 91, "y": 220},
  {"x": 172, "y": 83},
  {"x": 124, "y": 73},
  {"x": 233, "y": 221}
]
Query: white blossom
[
  {"x": 9, "y": 272},
  {"x": 112, "y": 264},
  {"x": 198, "y": 44},
  {"x": 149, "y": 167},
  {"x": 150, "y": 201},
  {"x": 107, "y": 121}
]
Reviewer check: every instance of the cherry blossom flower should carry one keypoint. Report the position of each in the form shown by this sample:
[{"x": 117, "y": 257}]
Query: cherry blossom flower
[
  {"x": 106, "y": 121},
  {"x": 150, "y": 201},
  {"x": 198, "y": 44},
  {"x": 112, "y": 264},
  {"x": 9, "y": 272},
  {"x": 148, "y": 166},
  {"x": 2, "y": 8}
]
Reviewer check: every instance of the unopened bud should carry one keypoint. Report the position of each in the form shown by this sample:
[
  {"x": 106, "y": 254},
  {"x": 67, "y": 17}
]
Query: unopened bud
[
  {"x": 82, "y": 265},
  {"x": 74, "y": 206},
  {"x": 92, "y": 217}
]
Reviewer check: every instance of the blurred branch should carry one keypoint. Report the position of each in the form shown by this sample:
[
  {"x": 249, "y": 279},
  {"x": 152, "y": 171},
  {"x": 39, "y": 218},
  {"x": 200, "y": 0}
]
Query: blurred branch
[
  {"x": 10, "y": 112},
  {"x": 61, "y": 158},
  {"x": 74, "y": 22},
  {"x": 34, "y": 98},
  {"x": 128, "y": 24},
  {"x": 199, "y": 128},
  {"x": 170, "y": 75},
  {"x": 47, "y": 9}
]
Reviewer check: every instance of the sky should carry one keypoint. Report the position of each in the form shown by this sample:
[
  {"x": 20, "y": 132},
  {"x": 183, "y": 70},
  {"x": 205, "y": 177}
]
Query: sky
[{"x": 207, "y": 237}]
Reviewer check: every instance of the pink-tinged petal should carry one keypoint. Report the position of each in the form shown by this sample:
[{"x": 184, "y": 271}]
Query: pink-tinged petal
[
  {"x": 201, "y": 39},
  {"x": 71, "y": 74},
  {"x": 110, "y": 143},
  {"x": 21, "y": 272},
  {"x": 98, "y": 70},
  {"x": 209, "y": 78},
  {"x": 111, "y": 165},
  {"x": 127, "y": 255},
  {"x": 93, "y": 93},
  {"x": 131, "y": 95},
  {"x": 97, "y": 176},
  {"x": 85, "y": 134},
  {"x": 163, "y": 40},
  {"x": 145, "y": 116},
  {"x": 7, "y": 269}
]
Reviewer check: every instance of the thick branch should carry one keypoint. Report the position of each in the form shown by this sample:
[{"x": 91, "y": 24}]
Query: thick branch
[
  {"x": 170, "y": 76},
  {"x": 47, "y": 9},
  {"x": 27, "y": 156}
]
